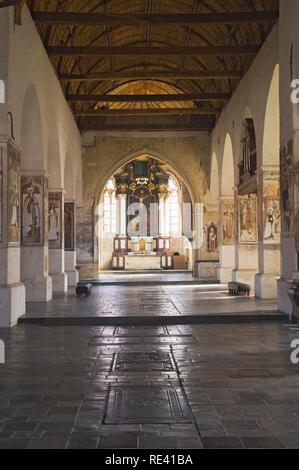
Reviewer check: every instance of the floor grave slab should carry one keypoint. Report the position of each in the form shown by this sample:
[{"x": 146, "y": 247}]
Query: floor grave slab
[
  {"x": 156, "y": 361},
  {"x": 147, "y": 405}
]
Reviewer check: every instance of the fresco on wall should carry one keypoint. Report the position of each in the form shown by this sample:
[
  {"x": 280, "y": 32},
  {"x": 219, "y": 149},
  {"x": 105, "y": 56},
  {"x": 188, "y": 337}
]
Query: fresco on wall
[
  {"x": 271, "y": 202},
  {"x": 211, "y": 235},
  {"x": 248, "y": 219},
  {"x": 32, "y": 198},
  {"x": 54, "y": 220},
  {"x": 69, "y": 226},
  {"x": 13, "y": 196},
  {"x": 227, "y": 223},
  {"x": 287, "y": 189}
]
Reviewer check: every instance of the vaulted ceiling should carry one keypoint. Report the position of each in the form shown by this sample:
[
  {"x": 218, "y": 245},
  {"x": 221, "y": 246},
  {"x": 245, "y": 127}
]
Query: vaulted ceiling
[{"x": 122, "y": 63}]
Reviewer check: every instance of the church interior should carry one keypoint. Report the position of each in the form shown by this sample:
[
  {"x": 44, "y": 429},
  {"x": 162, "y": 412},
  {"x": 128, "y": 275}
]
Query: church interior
[{"x": 149, "y": 158}]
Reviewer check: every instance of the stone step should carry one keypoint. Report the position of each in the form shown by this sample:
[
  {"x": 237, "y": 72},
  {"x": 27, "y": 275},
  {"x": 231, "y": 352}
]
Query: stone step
[{"x": 256, "y": 317}]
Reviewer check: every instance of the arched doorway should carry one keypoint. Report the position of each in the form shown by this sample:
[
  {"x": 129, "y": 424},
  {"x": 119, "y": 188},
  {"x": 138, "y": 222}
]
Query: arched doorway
[{"x": 141, "y": 218}]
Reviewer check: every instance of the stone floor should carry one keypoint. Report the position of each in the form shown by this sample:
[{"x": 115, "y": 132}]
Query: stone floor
[
  {"x": 151, "y": 301},
  {"x": 207, "y": 386}
]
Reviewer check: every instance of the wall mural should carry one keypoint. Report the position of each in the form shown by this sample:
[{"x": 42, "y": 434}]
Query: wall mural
[
  {"x": 55, "y": 220},
  {"x": 13, "y": 196},
  {"x": 69, "y": 226},
  {"x": 211, "y": 235},
  {"x": 227, "y": 223},
  {"x": 287, "y": 189},
  {"x": 271, "y": 203},
  {"x": 248, "y": 219},
  {"x": 32, "y": 198}
]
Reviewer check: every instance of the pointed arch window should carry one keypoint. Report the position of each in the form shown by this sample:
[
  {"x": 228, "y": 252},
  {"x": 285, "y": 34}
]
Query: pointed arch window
[
  {"x": 110, "y": 208},
  {"x": 173, "y": 209}
]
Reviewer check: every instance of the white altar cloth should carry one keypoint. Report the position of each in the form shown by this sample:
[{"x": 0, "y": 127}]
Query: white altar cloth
[{"x": 142, "y": 262}]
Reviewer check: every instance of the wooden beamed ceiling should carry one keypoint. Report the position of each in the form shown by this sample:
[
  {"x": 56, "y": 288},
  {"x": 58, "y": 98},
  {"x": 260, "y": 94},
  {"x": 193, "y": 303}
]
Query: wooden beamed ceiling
[
  {"x": 151, "y": 65},
  {"x": 185, "y": 19}
]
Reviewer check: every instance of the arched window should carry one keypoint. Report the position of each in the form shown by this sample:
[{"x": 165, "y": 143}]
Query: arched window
[
  {"x": 173, "y": 209},
  {"x": 110, "y": 208}
]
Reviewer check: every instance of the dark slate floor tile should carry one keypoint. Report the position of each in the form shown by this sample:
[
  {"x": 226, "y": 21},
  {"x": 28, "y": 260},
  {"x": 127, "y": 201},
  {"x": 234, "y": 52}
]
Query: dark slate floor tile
[
  {"x": 47, "y": 443},
  {"x": 118, "y": 442},
  {"x": 157, "y": 442},
  {"x": 14, "y": 443},
  {"x": 222, "y": 443},
  {"x": 262, "y": 443}
]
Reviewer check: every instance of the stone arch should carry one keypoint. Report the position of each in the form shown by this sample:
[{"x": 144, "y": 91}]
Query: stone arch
[
  {"x": 178, "y": 172},
  {"x": 32, "y": 139},
  {"x": 271, "y": 134},
  {"x": 228, "y": 168},
  {"x": 227, "y": 212},
  {"x": 100, "y": 246}
]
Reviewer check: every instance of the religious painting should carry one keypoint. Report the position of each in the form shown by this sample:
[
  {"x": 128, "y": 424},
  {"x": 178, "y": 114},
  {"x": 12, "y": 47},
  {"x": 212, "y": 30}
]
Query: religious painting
[
  {"x": 32, "y": 198},
  {"x": 46, "y": 209},
  {"x": 227, "y": 223},
  {"x": 271, "y": 205},
  {"x": 211, "y": 234},
  {"x": 69, "y": 226},
  {"x": 212, "y": 238},
  {"x": 55, "y": 220},
  {"x": 248, "y": 219},
  {"x": 287, "y": 189},
  {"x": 13, "y": 196}
]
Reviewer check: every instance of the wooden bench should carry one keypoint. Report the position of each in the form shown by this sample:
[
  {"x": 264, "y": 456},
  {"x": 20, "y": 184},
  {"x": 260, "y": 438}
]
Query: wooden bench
[
  {"x": 83, "y": 289},
  {"x": 239, "y": 289}
]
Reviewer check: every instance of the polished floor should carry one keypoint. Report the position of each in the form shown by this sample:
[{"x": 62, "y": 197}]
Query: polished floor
[
  {"x": 151, "y": 301},
  {"x": 205, "y": 386}
]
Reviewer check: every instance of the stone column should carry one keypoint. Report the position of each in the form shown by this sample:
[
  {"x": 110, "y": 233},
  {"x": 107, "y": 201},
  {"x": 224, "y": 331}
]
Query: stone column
[
  {"x": 289, "y": 149},
  {"x": 269, "y": 233},
  {"x": 227, "y": 239},
  {"x": 12, "y": 291},
  {"x": 34, "y": 237},
  {"x": 246, "y": 248},
  {"x": 56, "y": 240},
  {"x": 70, "y": 252},
  {"x": 161, "y": 214}
]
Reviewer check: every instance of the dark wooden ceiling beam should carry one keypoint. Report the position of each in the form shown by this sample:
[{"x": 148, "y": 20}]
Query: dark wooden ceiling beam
[
  {"x": 153, "y": 75},
  {"x": 187, "y": 126},
  {"x": 172, "y": 19},
  {"x": 149, "y": 98},
  {"x": 77, "y": 51},
  {"x": 148, "y": 112},
  {"x": 8, "y": 3}
]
